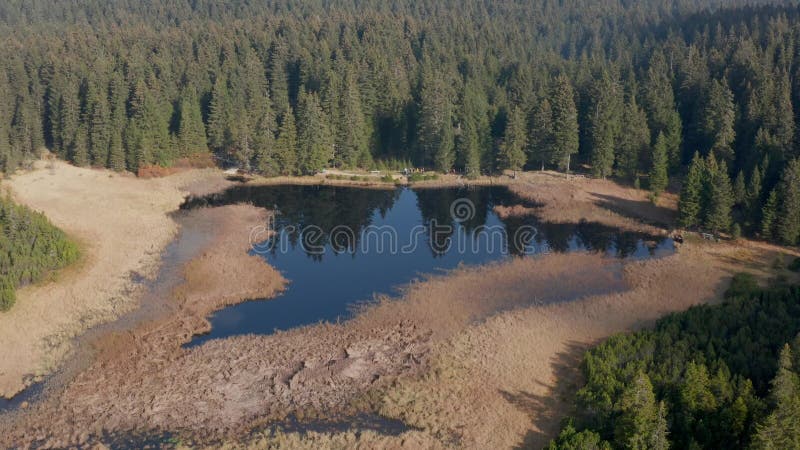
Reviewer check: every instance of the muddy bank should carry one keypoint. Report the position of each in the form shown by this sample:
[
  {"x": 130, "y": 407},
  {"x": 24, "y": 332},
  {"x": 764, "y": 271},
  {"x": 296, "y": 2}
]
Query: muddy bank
[
  {"x": 457, "y": 357},
  {"x": 123, "y": 226}
]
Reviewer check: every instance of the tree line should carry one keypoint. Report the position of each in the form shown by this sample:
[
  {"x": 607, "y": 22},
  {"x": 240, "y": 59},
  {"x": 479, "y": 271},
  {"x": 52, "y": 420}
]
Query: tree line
[
  {"x": 630, "y": 90},
  {"x": 30, "y": 248},
  {"x": 722, "y": 376}
]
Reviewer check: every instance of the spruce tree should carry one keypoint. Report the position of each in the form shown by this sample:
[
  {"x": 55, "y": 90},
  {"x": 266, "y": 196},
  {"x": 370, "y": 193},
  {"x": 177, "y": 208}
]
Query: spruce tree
[
  {"x": 658, "y": 170},
  {"x": 639, "y": 424},
  {"x": 99, "y": 127},
  {"x": 604, "y": 124},
  {"x": 286, "y": 145},
  {"x": 352, "y": 139},
  {"x": 512, "y": 150},
  {"x": 720, "y": 196},
  {"x": 739, "y": 189},
  {"x": 788, "y": 223},
  {"x": 314, "y": 142},
  {"x": 565, "y": 123},
  {"x": 781, "y": 428},
  {"x": 690, "y": 205},
  {"x": 435, "y": 127},
  {"x": 719, "y": 120},
  {"x": 769, "y": 214},
  {"x": 634, "y": 140},
  {"x": 219, "y": 116},
  {"x": 540, "y": 140},
  {"x": 191, "y": 130}
]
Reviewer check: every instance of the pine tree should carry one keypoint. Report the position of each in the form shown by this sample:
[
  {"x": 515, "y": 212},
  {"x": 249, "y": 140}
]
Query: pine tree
[
  {"x": 435, "y": 128},
  {"x": 286, "y": 145},
  {"x": 769, "y": 215},
  {"x": 79, "y": 149},
  {"x": 219, "y": 116},
  {"x": 753, "y": 197},
  {"x": 116, "y": 154},
  {"x": 191, "y": 130},
  {"x": 634, "y": 142},
  {"x": 639, "y": 424},
  {"x": 352, "y": 139},
  {"x": 278, "y": 77},
  {"x": 604, "y": 125},
  {"x": 314, "y": 142},
  {"x": 99, "y": 127},
  {"x": 473, "y": 130},
  {"x": 720, "y": 197},
  {"x": 659, "y": 103},
  {"x": 658, "y": 171},
  {"x": 690, "y": 205},
  {"x": 565, "y": 123},
  {"x": 788, "y": 219},
  {"x": 739, "y": 189},
  {"x": 540, "y": 140},
  {"x": 719, "y": 121},
  {"x": 781, "y": 429},
  {"x": 512, "y": 150}
]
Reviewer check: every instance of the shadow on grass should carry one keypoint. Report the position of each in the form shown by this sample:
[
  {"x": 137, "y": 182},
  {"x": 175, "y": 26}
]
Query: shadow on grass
[
  {"x": 641, "y": 210},
  {"x": 546, "y": 412}
]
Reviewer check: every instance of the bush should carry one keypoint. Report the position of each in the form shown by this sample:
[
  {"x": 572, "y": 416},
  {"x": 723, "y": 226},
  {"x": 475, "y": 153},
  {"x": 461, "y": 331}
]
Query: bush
[
  {"x": 417, "y": 177},
  {"x": 30, "y": 248},
  {"x": 795, "y": 265},
  {"x": 742, "y": 285},
  {"x": 7, "y": 295},
  {"x": 736, "y": 232}
]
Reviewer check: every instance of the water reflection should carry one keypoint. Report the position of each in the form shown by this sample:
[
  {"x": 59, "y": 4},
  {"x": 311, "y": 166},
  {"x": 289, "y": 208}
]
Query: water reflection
[{"x": 340, "y": 245}]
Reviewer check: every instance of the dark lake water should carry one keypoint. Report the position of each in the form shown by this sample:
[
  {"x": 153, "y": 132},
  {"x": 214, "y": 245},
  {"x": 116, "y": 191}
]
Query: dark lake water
[{"x": 340, "y": 245}]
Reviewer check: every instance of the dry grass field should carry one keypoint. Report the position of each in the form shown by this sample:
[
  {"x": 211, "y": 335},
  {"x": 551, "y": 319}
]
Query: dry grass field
[{"x": 480, "y": 357}]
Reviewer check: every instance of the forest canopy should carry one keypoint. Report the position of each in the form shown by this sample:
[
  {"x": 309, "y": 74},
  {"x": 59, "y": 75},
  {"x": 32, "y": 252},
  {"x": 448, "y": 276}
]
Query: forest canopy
[
  {"x": 632, "y": 90},
  {"x": 718, "y": 376}
]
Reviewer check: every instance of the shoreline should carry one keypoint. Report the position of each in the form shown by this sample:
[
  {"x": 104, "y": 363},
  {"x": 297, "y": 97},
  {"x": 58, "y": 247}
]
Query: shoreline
[{"x": 402, "y": 357}]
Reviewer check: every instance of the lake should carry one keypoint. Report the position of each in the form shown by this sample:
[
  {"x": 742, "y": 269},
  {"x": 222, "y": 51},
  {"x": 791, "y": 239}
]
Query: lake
[{"x": 338, "y": 246}]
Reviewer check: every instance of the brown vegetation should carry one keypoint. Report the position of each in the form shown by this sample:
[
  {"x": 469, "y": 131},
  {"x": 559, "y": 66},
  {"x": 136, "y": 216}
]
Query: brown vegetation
[{"x": 458, "y": 356}]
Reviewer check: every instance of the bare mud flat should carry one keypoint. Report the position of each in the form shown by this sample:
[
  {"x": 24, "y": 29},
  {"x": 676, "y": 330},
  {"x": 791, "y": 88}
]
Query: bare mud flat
[{"x": 457, "y": 357}]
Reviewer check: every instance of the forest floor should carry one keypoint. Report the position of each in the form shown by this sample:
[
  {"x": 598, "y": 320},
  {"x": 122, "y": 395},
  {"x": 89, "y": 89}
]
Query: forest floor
[{"x": 481, "y": 357}]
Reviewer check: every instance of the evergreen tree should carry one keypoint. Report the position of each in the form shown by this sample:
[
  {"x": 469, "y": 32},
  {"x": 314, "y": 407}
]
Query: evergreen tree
[
  {"x": 79, "y": 149},
  {"x": 435, "y": 129},
  {"x": 690, "y": 205},
  {"x": 658, "y": 171},
  {"x": 286, "y": 145},
  {"x": 191, "y": 130},
  {"x": 720, "y": 196},
  {"x": 99, "y": 127},
  {"x": 565, "y": 123},
  {"x": 314, "y": 143},
  {"x": 781, "y": 428},
  {"x": 788, "y": 218},
  {"x": 219, "y": 135},
  {"x": 512, "y": 150},
  {"x": 739, "y": 189},
  {"x": 352, "y": 139},
  {"x": 540, "y": 142},
  {"x": 769, "y": 215},
  {"x": 634, "y": 140},
  {"x": 278, "y": 77},
  {"x": 720, "y": 115},
  {"x": 604, "y": 125},
  {"x": 639, "y": 424}
]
